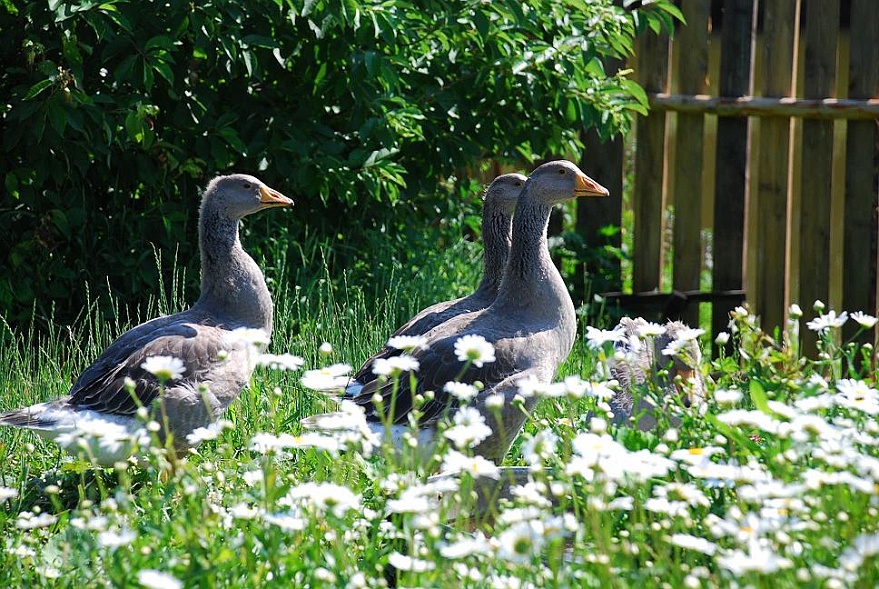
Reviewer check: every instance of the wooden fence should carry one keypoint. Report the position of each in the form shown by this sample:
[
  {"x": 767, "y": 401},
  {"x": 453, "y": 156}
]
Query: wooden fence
[{"x": 755, "y": 174}]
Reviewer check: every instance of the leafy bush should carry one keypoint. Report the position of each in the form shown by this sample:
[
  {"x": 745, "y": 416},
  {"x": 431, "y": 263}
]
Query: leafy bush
[{"x": 116, "y": 113}]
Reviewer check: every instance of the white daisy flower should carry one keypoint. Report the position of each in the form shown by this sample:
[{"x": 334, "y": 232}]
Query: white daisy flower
[
  {"x": 152, "y": 579},
  {"x": 540, "y": 447},
  {"x": 329, "y": 378},
  {"x": 649, "y": 329},
  {"x": 693, "y": 543},
  {"x": 244, "y": 511},
  {"x": 254, "y": 337},
  {"x": 533, "y": 387},
  {"x": 474, "y": 348},
  {"x": 402, "y": 562},
  {"x": 114, "y": 539},
  {"x": 164, "y": 367},
  {"x": 324, "y": 497},
  {"x": 727, "y": 396},
  {"x": 266, "y": 443},
  {"x": 408, "y": 343},
  {"x": 7, "y": 493},
  {"x": 596, "y": 338},
  {"x": 395, "y": 365},
  {"x": 29, "y": 521},
  {"x": 280, "y": 361},
  {"x": 856, "y": 394},
  {"x": 477, "y": 466},
  {"x": 469, "y": 429},
  {"x": 466, "y": 546},
  {"x": 211, "y": 432},
  {"x": 864, "y": 320},
  {"x": 521, "y": 542},
  {"x": 461, "y": 390},
  {"x": 695, "y": 455},
  {"x": 494, "y": 401},
  {"x": 759, "y": 558},
  {"x": 289, "y": 521},
  {"x": 824, "y": 322}
]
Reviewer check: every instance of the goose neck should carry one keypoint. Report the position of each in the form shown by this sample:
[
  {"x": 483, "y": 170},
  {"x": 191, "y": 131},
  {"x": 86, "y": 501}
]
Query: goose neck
[
  {"x": 233, "y": 288},
  {"x": 496, "y": 229}
]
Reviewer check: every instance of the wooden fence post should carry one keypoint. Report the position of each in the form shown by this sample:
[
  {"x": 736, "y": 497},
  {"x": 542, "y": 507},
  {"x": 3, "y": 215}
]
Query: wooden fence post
[
  {"x": 690, "y": 66},
  {"x": 861, "y": 170},
  {"x": 820, "y": 47},
  {"x": 652, "y": 73},
  {"x": 767, "y": 267}
]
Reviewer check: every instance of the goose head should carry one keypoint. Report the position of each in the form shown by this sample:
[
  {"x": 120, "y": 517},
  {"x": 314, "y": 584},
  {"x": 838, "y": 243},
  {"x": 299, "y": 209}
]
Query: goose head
[
  {"x": 503, "y": 192},
  {"x": 560, "y": 181},
  {"x": 239, "y": 195},
  {"x": 682, "y": 366}
]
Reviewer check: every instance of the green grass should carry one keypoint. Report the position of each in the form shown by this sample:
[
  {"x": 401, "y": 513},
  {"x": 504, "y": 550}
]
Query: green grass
[{"x": 788, "y": 489}]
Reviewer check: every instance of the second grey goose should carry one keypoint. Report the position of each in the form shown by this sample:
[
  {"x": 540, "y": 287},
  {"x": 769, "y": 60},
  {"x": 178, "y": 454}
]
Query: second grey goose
[
  {"x": 531, "y": 325},
  {"x": 102, "y": 405},
  {"x": 497, "y": 219}
]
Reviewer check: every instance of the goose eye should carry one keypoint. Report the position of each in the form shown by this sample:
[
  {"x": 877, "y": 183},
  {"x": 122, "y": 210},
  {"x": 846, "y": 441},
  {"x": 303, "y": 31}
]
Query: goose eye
[
  {"x": 248, "y": 185},
  {"x": 562, "y": 171}
]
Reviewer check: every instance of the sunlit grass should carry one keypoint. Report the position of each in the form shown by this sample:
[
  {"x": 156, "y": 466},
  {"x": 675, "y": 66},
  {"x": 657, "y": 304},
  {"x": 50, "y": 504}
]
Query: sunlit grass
[{"x": 772, "y": 483}]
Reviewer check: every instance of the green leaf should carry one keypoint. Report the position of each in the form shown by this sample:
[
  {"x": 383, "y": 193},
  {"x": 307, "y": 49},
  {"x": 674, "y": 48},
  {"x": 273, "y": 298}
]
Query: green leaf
[
  {"x": 57, "y": 115},
  {"x": 37, "y": 88},
  {"x": 159, "y": 42},
  {"x": 758, "y": 396},
  {"x": 134, "y": 127}
]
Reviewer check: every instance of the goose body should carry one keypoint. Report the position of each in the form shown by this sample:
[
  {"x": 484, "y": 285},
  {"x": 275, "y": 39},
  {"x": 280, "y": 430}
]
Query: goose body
[
  {"x": 210, "y": 342},
  {"x": 499, "y": 203},
  {"x": 531, "y": 325}
]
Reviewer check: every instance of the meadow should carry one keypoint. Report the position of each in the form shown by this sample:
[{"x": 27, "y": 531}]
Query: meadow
[{"x": 772, "y": 482}]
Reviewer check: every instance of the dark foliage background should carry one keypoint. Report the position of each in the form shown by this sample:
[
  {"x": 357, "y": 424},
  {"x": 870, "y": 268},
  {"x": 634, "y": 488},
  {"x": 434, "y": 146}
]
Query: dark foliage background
[{"x": 371, "y": 114}]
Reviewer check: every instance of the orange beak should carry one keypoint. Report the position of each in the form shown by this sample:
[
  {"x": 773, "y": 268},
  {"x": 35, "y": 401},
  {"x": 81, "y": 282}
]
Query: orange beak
[
  {"x": 586, "y": 186},
  {"x": 273, "y": 198}
]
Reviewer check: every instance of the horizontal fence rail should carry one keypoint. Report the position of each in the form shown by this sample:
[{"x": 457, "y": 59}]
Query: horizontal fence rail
[{"x": 759, "y": 106}]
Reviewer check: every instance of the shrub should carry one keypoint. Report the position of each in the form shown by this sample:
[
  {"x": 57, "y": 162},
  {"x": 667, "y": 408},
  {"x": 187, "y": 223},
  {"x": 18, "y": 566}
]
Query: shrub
[{"x": 116, "y": 113}]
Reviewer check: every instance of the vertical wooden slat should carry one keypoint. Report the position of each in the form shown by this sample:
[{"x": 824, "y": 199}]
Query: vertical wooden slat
[
  {"x": 652, "y": 73},
  {"x": 604, "y": 163},
  {"x": 820, "y": 41},
  {"x": 691, "y": 67},
  {"x": 731, "y": 165},
  {"x": 862, "y": 167},
  {"x": 861, "y": 170},
  {"x": 768, "y": 201}
]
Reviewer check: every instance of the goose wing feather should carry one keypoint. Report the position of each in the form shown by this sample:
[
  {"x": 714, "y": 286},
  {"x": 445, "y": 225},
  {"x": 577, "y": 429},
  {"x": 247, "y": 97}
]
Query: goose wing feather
[{"x": 102, "y": 386}]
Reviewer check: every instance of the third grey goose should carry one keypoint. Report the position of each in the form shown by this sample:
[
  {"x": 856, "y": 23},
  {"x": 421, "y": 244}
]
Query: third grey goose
[
  {"x": 645, "y": 365},
  {"x": 531, "y": 325},
  {"x": 497, "y": 219}
]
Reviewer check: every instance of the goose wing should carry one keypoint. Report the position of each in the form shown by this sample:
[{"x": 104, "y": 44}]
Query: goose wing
[{"x": 101, "y": 387}]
